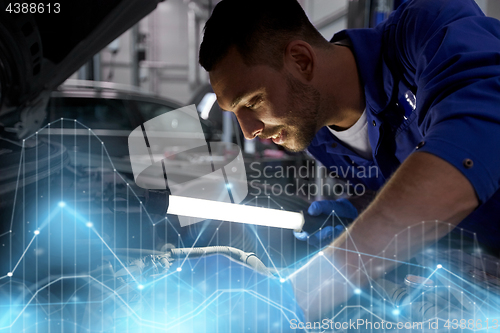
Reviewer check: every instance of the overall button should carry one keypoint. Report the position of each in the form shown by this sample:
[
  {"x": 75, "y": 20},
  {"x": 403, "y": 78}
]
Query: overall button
[
  {"x": 374, "y": 123},
  {"x": 420, "y": 145},
  {"x": 468, "y": 163}
]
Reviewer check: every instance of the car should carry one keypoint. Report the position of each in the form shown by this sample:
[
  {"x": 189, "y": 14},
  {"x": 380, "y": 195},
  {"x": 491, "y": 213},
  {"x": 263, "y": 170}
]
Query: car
[
  {"x": 112, "y": 111},
  {"x": 81, "y": 245},
  {"x": 38, "y": 52}
]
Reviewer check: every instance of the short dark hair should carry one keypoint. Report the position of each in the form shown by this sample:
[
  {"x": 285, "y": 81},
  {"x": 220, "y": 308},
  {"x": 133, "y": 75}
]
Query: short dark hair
[{"x": 259, "y": 29}]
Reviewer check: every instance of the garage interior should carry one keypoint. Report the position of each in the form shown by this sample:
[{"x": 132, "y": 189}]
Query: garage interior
[{"x": 108, "y": 122}]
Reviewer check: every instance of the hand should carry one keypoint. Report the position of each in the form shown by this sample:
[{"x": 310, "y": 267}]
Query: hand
[
  {"x": 341, "y": 207},
  {"x": 319, "y": 233}
]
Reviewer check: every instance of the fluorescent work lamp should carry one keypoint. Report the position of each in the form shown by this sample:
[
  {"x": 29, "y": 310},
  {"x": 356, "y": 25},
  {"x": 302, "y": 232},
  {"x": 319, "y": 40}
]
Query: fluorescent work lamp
[
  {"x": 197, "y": 180},
  {"x": 209, "y": 209}
]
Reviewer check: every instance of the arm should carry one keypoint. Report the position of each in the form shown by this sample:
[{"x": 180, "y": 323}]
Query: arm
[
  {"x": 424, "y": 188},
  {"x": 362, "y": 202},
  {"x": 451, "y": 53}
]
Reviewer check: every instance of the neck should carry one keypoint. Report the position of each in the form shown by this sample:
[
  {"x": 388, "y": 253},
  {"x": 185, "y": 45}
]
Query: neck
[{"x": 344, "y": 100}]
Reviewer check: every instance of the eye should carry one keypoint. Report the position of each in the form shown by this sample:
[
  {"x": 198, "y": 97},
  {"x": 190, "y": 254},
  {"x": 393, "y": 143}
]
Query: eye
[{"x": 253, "y": 104}]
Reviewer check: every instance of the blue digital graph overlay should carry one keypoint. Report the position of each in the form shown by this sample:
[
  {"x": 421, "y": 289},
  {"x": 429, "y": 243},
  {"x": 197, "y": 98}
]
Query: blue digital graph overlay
[{"x": 81, "y": 253}]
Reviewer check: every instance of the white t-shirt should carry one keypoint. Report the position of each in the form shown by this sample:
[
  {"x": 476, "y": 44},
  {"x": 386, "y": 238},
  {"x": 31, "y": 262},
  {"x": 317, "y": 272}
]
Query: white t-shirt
[{"x": 356, "y": 137}]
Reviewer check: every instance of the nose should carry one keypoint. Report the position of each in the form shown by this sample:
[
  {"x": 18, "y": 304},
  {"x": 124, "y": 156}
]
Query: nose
[{"x": 250, "y": 125}]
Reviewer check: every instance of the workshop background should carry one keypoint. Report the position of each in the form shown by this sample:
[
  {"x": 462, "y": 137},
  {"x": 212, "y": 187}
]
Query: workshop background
[
  {"x": 160, "y": 54},
  {"x": 85, "y": 249}
]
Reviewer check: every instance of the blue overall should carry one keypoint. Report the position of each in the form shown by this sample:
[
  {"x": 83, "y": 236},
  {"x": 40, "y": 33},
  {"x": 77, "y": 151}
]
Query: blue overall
[{"x": 431, "y": 77}]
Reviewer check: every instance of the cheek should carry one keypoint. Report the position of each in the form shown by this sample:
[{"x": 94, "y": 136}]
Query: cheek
[
  {"x": 282, "y": 108},
  {"x": 279, "y": 115}
]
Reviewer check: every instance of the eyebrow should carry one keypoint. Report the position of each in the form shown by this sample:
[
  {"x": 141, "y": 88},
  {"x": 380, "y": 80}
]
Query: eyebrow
[{"x": 238, "y": 99}]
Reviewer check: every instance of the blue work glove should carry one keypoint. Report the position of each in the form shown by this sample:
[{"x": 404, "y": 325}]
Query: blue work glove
[{"x": 341, "y": 208}]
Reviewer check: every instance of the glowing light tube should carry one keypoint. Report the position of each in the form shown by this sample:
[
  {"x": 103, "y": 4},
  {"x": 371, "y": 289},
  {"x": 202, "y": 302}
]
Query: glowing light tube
[{"x": 208, "y": 209}]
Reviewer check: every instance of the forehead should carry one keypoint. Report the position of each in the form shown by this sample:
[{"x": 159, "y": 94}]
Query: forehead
[{"x": 232, "y": 78}]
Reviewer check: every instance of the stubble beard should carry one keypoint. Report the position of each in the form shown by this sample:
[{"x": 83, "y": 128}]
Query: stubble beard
[{"x": 303, "y": 106}]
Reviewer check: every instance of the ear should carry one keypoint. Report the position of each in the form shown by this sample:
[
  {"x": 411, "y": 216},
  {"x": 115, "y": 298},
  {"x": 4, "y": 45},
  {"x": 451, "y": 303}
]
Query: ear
[{"x": 300, "y": 59}]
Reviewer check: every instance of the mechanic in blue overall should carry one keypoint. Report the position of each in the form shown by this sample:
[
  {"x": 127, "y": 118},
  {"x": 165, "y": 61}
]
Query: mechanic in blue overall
[{"x": 418, "y": 97}]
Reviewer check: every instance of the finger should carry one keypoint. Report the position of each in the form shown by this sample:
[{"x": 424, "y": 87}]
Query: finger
[
  {"x": 338, "y": 230},
  {"x": 315, "y": 209},
  {"x": 345, "y": 209},
  {"x": 325, "y": 234},
  {"x": 301, "y": 236},
  {"x": 328, "y": 206}
]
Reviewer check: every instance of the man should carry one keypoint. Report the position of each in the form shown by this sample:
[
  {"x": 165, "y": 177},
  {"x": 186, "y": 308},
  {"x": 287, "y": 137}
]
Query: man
[{"x": 418, "y": 96}]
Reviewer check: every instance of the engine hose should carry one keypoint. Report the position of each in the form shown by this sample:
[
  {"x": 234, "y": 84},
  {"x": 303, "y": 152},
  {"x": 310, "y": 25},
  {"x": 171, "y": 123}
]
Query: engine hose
[
  {"x": 421, "y": 308},
  {"x": 396, "y": 293},
  {"x": 422, "y": 311},
  {"x": 248, "y": 258}
]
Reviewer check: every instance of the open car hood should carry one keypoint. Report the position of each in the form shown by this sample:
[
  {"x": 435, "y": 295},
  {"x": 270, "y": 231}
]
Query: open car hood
[{"x": 39, "y": 51}]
